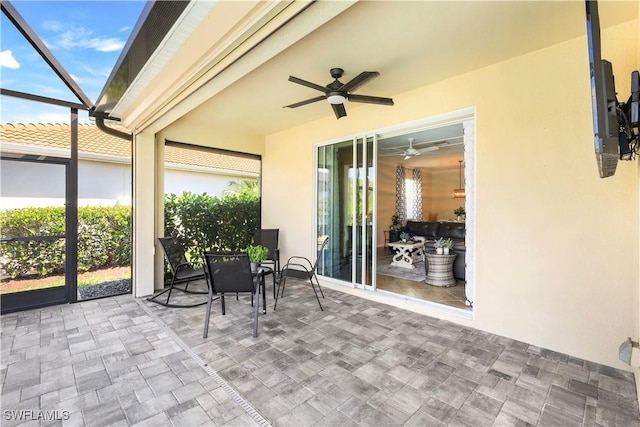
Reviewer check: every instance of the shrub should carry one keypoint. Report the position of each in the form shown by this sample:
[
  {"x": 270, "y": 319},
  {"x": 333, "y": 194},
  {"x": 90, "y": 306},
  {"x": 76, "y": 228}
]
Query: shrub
[
  {"x": 201, "y": 223},
  {"x": 208, "y": 223},
  {"x": 104, "y": 240}
]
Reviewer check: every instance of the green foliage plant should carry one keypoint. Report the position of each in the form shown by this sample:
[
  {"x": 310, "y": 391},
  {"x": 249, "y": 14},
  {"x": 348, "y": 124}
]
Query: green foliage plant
[
  {"x": 395, "y": 222},
  {"x": 443, "y": 243},
  {"x": 257, "y": 253},
  {"x": 208, "y": 223},
  {"x": 201, "y": 223},
  {"x": 459, "y": 211},
  {"x": 104, "y": 240}
]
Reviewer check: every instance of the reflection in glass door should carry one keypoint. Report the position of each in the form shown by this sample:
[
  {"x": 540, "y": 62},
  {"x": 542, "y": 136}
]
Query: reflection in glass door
[
  {"x": 34, "y": 226},
  {"x": 345, "y": 189}
]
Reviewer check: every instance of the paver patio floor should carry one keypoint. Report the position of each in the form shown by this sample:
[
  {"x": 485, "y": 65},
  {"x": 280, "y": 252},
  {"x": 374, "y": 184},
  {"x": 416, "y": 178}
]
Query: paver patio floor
[{"x": 126, "y": 361}]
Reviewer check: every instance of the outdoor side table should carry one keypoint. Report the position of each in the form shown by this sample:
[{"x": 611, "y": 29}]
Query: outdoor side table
[{"x": 440, "y": 269}]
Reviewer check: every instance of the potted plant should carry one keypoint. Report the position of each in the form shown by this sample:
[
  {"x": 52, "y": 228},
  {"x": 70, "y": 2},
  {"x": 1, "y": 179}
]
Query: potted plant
[
  {"x": 405, "y": 237},
  {"x": 257, "y": 254},
  {"x": 443, "y": 245},
  {"x": 394, "y": 227},
  {"x": 460, "y": 212},
  {"x": 448, "y": 245}
]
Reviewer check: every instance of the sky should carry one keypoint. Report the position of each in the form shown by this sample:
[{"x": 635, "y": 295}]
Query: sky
[{"x": 86, "y": 37}]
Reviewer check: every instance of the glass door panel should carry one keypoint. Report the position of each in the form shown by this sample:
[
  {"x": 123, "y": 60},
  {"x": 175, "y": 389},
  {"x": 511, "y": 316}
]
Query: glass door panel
[
  {"x": 345, "y": 209},
  {"x": 335, "y": 209},
  {"x": 33, "y": 232}
]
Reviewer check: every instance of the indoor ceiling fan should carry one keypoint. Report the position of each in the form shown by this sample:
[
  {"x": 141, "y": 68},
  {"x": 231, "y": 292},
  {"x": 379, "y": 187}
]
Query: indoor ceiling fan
[
  {"x": 412, "y": 151},
  {"x": 336, "y": 92}
]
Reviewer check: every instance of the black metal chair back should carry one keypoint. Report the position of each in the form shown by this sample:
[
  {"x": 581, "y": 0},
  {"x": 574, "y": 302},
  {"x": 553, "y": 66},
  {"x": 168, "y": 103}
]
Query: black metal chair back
[
  {"x": 301, "y": 268},
  {"x": 230, "y": 272},
  {"x": 173, "y": 252},
  {"x": 181, "y": 272},
  {"x": 268, "y": 237}
]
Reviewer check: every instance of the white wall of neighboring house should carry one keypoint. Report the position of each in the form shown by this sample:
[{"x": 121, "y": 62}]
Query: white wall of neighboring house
[
  {"x": 101, "y": 182},
  {"x": 198, "y": 180}
]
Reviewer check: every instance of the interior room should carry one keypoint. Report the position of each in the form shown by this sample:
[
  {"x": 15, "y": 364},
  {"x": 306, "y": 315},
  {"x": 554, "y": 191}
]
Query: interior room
[{"x": 437, "y": 154}]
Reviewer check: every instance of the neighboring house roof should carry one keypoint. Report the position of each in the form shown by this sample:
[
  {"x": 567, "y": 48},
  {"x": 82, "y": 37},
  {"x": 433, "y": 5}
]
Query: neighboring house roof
[
  {"x": 57, "y": 135},
  {"x": 92, "y": 140}
]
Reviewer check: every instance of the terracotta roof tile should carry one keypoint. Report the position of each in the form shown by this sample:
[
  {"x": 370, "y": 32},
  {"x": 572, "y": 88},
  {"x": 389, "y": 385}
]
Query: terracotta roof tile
[
  {"x": 93, "y": 140},
  {"x": 90, "y": 138}
]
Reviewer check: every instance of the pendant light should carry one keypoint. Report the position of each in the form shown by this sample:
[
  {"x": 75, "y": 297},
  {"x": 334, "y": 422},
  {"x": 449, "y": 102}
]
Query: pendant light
[{"x": 459, "y": 192}]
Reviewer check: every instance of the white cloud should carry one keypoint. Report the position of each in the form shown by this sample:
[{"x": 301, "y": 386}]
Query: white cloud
[
  {"x": 7, "y": 60},
  {"x": 124, "y": 29},
  {"x": 105, "y": 45},
  {"x": 79, "y": 37},
  {"x": 55, "y": 26}
]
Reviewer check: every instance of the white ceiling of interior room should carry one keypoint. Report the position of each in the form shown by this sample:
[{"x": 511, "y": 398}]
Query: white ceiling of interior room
[{"x": 448, "y": 139}]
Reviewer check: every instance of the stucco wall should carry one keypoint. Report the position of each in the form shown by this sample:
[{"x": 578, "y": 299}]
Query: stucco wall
[
  {"x": 178, "y": 181},
  {"x": 557, "y": 247},
  {"x": 27, "y": 184}
]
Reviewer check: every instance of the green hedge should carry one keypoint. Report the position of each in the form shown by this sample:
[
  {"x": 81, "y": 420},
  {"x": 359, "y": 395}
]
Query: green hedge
[
  {"x": 104, "y": 240},
  {"x": 203, "y": 223}
]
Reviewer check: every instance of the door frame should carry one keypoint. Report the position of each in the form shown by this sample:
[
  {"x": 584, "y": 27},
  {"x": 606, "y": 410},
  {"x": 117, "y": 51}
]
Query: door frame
[
  {"x": 38, "y": 298},
  {"x": 465, "y": 116}
]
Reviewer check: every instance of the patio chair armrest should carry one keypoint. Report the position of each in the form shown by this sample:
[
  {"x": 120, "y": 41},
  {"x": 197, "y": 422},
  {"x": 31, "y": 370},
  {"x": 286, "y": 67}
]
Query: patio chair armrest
[{"x": 297, "y": 259}]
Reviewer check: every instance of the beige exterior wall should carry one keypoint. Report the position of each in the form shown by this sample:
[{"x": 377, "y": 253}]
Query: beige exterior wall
[{"x": 557, "y": 250}]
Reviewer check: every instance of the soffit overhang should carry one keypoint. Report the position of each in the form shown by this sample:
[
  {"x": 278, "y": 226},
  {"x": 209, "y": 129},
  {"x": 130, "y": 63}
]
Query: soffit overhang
[
  {"x": 235, "y": 64},
  {"x": 212, "y": 41}
]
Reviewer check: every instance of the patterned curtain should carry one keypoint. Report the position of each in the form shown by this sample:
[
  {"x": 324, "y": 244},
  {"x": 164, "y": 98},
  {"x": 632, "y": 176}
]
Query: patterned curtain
[
  {"x": 401, "y": 201},
  {"x": 417, "y": 195}
]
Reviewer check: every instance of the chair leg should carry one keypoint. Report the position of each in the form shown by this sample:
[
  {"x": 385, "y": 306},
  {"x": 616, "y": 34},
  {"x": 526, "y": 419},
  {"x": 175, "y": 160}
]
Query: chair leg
[
  {"x": 314, "y": 291},
  {"x": 280, "y": 282},
  {"x": 318, "y": 283},
  {"x": 255, "y": 311},
  {"x": 168, "y": 292},
  {"x": 208, "y": 315},
  {"x": 264, "y": 295}
]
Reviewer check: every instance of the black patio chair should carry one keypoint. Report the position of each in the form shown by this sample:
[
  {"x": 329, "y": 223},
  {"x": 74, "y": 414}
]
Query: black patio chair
[
  {"x": 182, "y": 272},
  {"x": 301, "y": 268},
  {"x": 268, "y": 237},
  {"x": 230, "y": 272}
]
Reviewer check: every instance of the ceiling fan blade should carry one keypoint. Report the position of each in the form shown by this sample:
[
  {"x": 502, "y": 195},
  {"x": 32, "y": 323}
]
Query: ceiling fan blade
[
  {"x": 308, "y": 84},
  {"x": 339, "y": 110},
  {"x": 305, "y": 102},
  {"x": 370, "y": 99},
  {"x": 427, "y": 149},
  {"x": 358, "y": 81}
]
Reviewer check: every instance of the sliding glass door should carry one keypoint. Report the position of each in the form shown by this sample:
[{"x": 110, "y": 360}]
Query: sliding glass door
[{"x": 345, "y": 189}]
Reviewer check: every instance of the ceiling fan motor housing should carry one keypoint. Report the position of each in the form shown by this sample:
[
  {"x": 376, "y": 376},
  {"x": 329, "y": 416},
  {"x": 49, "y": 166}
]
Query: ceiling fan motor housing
[{"x": 336, "y": 73}]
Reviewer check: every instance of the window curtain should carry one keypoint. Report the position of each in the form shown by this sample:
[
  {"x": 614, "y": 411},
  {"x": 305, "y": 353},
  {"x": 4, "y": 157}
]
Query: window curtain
[
  {"x": 401, "y": 200},
  {"x": 417, "y": 194}
]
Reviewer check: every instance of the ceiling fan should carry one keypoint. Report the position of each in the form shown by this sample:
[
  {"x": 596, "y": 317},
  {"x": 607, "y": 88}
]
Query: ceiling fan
[
  {"x": 412, "y": 151},
  {"x": 336, "y": 92}
]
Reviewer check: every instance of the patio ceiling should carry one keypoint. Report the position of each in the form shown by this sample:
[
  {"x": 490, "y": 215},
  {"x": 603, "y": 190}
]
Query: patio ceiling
[{"x": 411, "y": 44}]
